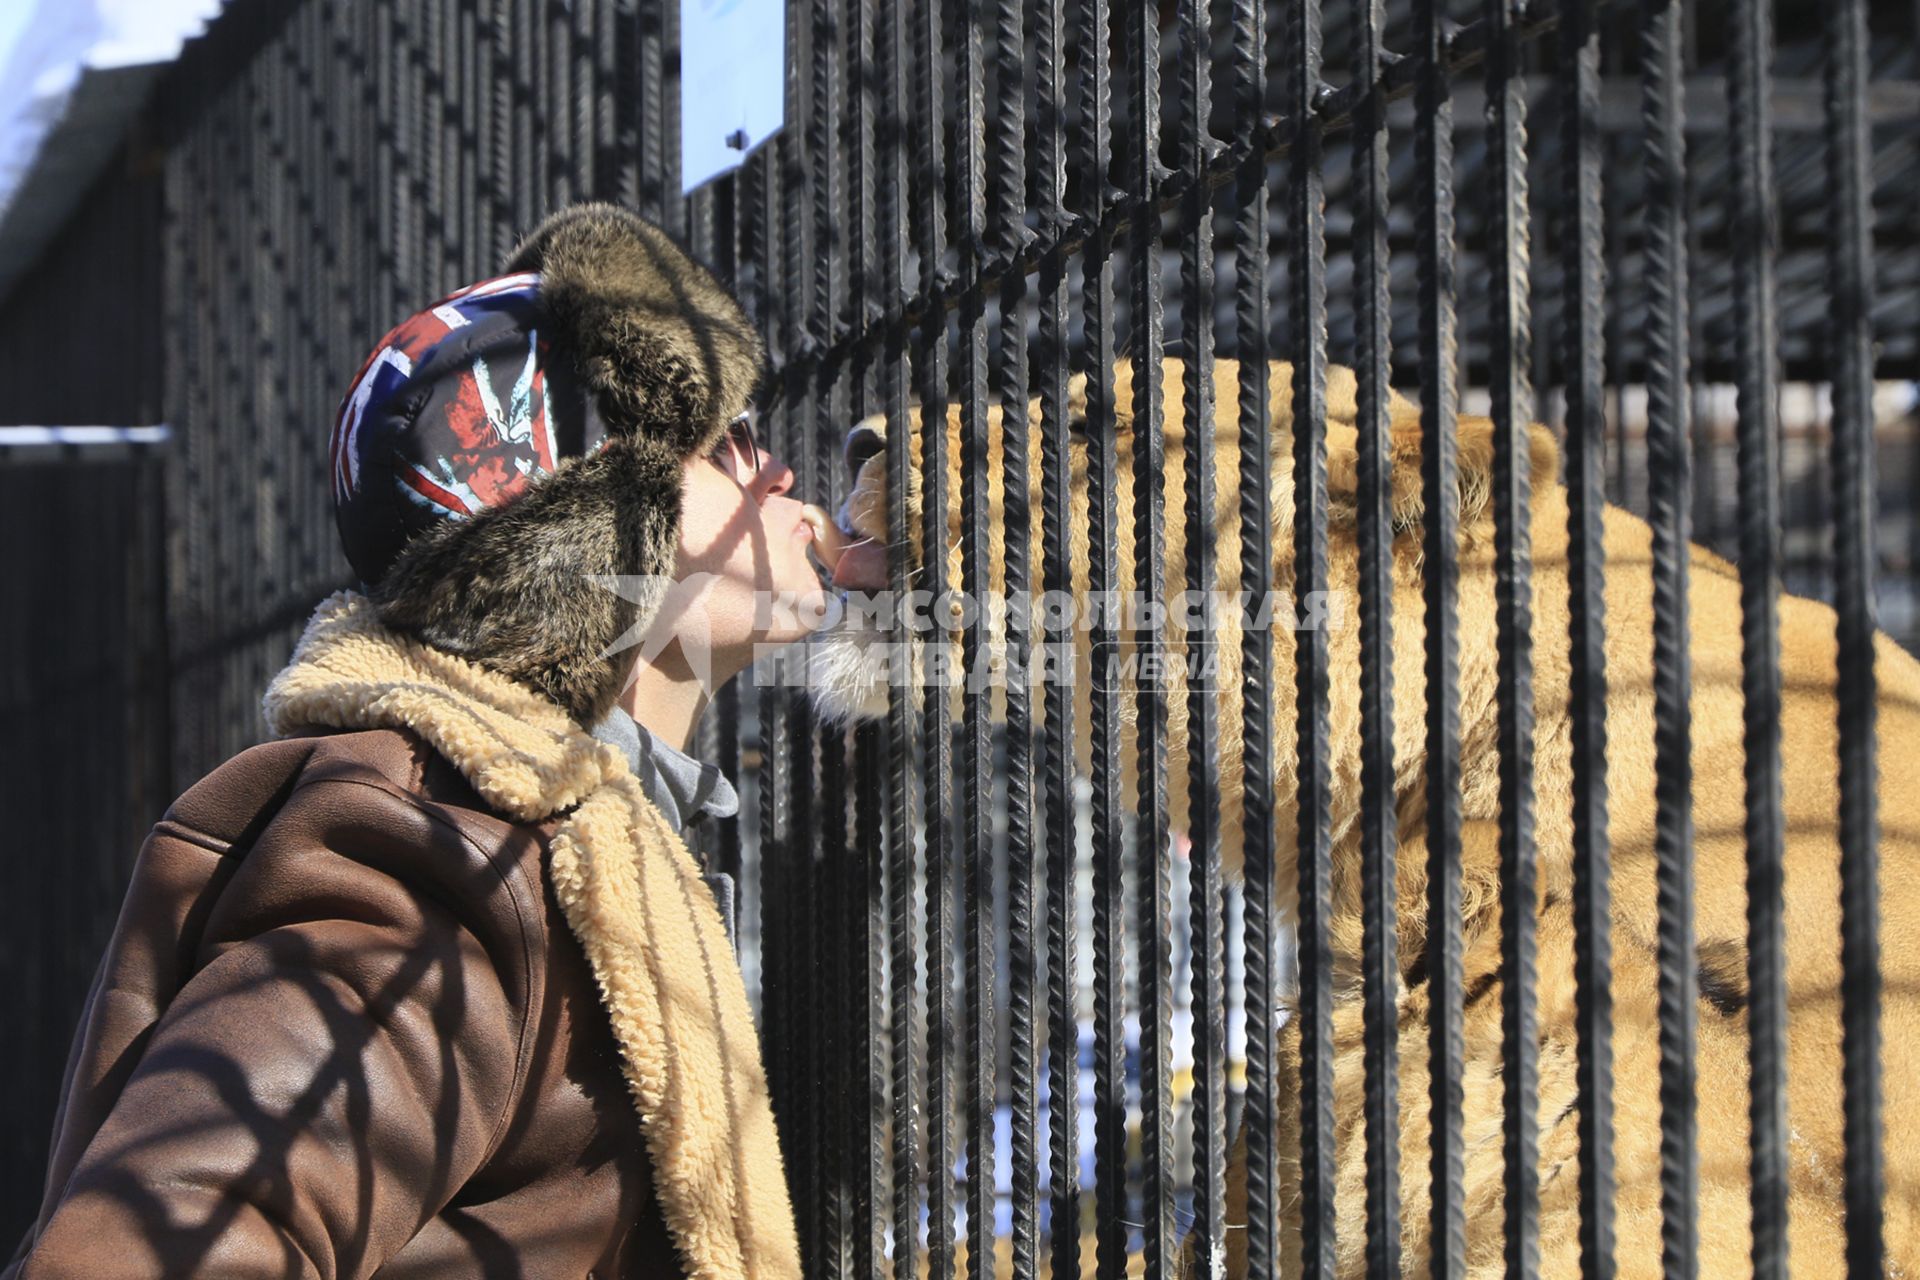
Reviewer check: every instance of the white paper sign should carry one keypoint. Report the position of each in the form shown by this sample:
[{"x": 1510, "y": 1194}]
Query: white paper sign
[{"x": 733, "y": 77}]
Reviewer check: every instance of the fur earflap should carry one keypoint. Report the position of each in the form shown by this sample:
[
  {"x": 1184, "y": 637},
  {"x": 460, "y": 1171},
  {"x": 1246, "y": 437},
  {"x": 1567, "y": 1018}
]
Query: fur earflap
[
  {"x": 668, "y": 357},
  {"x": 513, "y": 588},
  {"x": 664, "y": 348}
]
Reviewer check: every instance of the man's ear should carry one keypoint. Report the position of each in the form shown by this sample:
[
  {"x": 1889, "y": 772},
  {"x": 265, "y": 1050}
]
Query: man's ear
[{"x": 1474, "y": 454}]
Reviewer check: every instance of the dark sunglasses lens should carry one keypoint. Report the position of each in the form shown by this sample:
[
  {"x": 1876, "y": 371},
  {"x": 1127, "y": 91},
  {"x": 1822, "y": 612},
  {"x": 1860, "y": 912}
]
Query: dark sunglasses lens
[
  {"x": 752, "y": 443},
  {"x": 737, "y": 446}
]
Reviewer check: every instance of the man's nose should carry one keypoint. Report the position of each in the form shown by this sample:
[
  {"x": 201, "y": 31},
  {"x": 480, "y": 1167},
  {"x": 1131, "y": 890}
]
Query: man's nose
[{"x": 775, "y": 477}]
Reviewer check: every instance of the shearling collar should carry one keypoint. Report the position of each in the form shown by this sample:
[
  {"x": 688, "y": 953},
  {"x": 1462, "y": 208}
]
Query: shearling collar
[
  {"x": 522, "y": 753},
  {"x": 632, "y": 895}
]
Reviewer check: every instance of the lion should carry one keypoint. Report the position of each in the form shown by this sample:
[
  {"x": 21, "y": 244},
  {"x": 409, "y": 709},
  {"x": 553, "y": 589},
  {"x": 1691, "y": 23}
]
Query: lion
[{"x": 850, "y": 684}]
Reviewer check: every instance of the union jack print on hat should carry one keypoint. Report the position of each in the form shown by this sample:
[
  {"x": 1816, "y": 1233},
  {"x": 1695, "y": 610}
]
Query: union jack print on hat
[{"x": 457, "y": 409}]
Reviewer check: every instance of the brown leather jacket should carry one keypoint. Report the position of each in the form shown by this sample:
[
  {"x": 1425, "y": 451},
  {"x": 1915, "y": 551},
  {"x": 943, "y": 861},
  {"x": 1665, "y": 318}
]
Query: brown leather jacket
[
  {"x": 343, "y": 1029},
  {"x": 428, "y": 987}
]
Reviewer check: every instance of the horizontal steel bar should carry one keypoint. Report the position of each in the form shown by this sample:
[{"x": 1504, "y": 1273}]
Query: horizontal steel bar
[
  {"x": 1465, "y": 48},
  {"x": 1797, "y": 104}
]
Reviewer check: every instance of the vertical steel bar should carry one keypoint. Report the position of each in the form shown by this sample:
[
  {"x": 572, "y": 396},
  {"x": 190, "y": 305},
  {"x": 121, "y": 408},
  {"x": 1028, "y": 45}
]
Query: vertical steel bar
[
  {"x": 473, "y": 95},
  {"x": 394, "y": 86},
  {"x": 776, "y": 871},
  {"x": 804, "y": 950},
  {"x": 728, "y": 713},
  {"x": 546, "y": 160},
  {"x": 436, "y": 182},
  {"x": 1669, "y": 502},
  {"x": 1197, "y": 149},
  {"x": 1252, "y": 342},
  {"x": 1755, "y": 238},
  {"x": 584, "y": 97},
  {"x": 1007, "y": 138},
  {"x": 930, "y": 235},
  {"x": 1109, "y": 928},
  {"x": 857, "y": 128},
  {"x": 608, "y": 162},
  {"x": 1155, "y": 947},
  {"x": 827, "y": 193},
  {"x": 673, "y": 199},
  {"x": 465, "y": 243},
  {"x": 304, "y": 161},
  {"x": 626, "y": 103},
  {"x": 1512, "y": 410},
  {"x": 902, "y": 711},
  {"x": 867, "y": 1162},
  {"x": 563, "y": 103},
  {"x": 1849, "y": 257},
  {"x": 1440, "y": 485},
  {"x": 253, "y": 259},
  {"x": 798, "y": 405},
  {"x": 1380, "y": 965},
  {"x": 929, "y": 163},
  {"x": 1063, "y": 1031},
  {"x": 761, "y": 237},
  {"x": 703, "y": 224},
  {"x": 750, "y": 273},
  {"x": 226, "y": 337},
  {"x": 652, "y": 104},
  {"x": 970, "y": 374},
  {"x": 473, "y": 102},
  {"x": 824, "y": 178},
  {"x": 412, "y": 151},
  {"x": 1616, "y": 199},
  {"x": 834, "y": 991},
  {"x": 1584, "y": 293},
  {"x": 221, "y": 388},
  {"x": 1025, "y": 987},
  {"x": 1307, "y": 274},
  {"x": 179, "y": 343},
  {"x": 518, "y": 28},
  {"x": 497, "y": 144},
  {"x": 867, "y": 1230}
]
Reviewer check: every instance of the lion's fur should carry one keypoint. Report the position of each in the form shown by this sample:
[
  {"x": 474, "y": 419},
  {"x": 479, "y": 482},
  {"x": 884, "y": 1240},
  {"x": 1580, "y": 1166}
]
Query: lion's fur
[{"x": 1810, "y": 775}]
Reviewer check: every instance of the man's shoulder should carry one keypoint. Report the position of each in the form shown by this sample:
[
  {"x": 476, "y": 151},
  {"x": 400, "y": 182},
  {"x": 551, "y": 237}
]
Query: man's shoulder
[
  {"x": 230, "y": 803},
  {"x": 376, "y": 813}
]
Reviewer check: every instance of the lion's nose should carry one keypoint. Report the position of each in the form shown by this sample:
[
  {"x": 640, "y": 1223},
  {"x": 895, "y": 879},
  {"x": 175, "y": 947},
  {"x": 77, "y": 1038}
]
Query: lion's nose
[{"x": 865, "y": 440}]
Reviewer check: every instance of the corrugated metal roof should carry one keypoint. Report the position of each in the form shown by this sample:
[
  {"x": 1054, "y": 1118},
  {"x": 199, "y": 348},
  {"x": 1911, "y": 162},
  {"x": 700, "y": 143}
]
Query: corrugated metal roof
[
  {"x": 99, "y": 112},
  {"x": 75, "y": 75}
]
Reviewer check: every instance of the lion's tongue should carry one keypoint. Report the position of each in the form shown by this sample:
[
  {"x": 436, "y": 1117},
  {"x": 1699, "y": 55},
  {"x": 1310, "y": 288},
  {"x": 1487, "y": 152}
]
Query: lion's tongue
[
  {"x": 862, "y": 567},
  {"x": 857, "y": 564}
]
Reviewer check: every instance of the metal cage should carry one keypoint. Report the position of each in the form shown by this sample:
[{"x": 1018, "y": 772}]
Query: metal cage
[{"x": 1012, "y": 1025}]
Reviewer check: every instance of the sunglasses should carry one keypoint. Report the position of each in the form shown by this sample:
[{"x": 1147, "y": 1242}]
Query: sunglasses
[{"x": 738, "y": 452}]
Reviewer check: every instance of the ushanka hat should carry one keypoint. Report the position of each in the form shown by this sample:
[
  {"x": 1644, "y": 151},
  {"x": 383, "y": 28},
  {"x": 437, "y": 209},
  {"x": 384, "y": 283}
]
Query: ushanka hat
[{"x": 503, "y": 448}]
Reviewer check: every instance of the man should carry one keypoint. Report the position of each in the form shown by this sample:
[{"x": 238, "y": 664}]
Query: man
[{"x": 429, "y": 986}]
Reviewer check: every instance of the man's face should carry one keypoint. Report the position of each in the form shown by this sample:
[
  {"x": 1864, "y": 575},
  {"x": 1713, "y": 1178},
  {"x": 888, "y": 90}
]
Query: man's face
[{"x": 745, "y": 541}]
